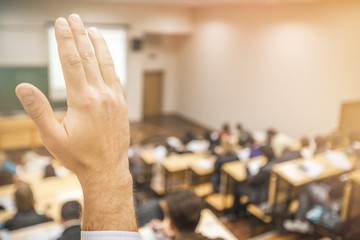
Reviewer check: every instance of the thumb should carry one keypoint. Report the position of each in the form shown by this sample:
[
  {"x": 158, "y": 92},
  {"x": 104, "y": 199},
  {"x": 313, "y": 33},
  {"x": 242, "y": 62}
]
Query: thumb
[{"x": 39, "y": 110}]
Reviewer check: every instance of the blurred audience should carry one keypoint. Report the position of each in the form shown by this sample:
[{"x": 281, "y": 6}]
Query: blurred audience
[
  {"x": 26, "y": 214},
  {"x": 183, "y": 211},
  {"x": 244, "y": 137},
  {"x": 70, "y": 218},
  {"x": 226, "y": 153},
  {"x": 6, "y": 177},
  {"x": 49, "y": 171}
]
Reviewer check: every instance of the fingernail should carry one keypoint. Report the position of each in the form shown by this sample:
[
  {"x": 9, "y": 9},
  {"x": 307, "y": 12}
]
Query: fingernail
[
  {"x": 62, "y": 22},
  {"x": 75, "y": 18}
]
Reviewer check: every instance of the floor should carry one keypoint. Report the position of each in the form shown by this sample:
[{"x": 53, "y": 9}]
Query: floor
[{"x": 156, "y": 130}]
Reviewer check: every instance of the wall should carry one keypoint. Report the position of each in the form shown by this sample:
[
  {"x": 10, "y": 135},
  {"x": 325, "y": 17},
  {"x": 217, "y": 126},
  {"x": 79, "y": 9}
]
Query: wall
[
  {"x": 283, "y": 66},
  {"x": 23, "y": 37}
]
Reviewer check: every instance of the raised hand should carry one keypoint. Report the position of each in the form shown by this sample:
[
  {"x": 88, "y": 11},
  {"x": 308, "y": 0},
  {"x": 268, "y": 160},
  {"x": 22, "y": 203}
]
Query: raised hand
[{"x": 93, "y": 138}]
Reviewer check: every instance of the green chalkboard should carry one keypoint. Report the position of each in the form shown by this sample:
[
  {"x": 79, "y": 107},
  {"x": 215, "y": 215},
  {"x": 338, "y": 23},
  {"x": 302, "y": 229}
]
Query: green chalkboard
[{"x": 10, "y": 77}]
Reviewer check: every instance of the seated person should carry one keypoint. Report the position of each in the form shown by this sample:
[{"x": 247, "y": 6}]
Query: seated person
[
  {"x": 7, "y": 164},
  {"x": 49, "y": 171},
  {"x": 188, "y": 137},
  {"x": 213, "y": 138},
  {"x": 183, "y": 210},
  {"x": 321, "y": 144},
  {"x": 70, "y": 218},
  {"x": 26, "y": 214},
  {"x": 226, "y": 153},
  {"x": 6, "y": 177},
  {"x": 323, "y": 194},
  {"x": 147, "y": 211},
  {"x": 256, "y": 186},
  {"x": 244, "y": 137},
  {"x": 225, "y": 132}
]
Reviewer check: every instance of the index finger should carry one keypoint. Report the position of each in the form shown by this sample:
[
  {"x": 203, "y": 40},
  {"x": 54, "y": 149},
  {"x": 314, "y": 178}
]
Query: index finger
[{"x": 75, "y": 78}]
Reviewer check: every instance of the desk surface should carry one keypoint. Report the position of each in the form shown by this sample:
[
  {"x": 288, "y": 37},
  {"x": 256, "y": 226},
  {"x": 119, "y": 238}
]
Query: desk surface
[
  {"x": 181, "y": 162},
  {"x": 203, "y": 166},
  {"x": 19, "y": 131},
  {"x": 293, "y": 173},
  {"x": 237, "y": 169},
  {"x": 355, "y": 177},
  {"x": 49, "y": 194}
]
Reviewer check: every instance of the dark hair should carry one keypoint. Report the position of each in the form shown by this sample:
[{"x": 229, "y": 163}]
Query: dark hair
[
  {"x": 71, "y": 210},
  {"x": 268, "y": 152},
  {"x": 184, "y": 210},
  {"x": 24, "y": 197},
  {"x": 239, "y": 127},
  {"x": 6, "y": 177},
  {"x": 49, "y": 171},
  {"x": 226, "y": 127},
  {"x": 304, "y": 142}
]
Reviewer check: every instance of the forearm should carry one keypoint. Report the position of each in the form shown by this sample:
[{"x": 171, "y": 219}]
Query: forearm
[{"x": 108, "y": 202}]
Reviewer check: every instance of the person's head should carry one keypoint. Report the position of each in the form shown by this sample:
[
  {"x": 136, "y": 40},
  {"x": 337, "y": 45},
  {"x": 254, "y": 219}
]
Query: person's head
[
  {"x": 268, "y": 153},
  {"x": 2, "y": 157},
  {"x": 71, "y": 211},
  {"x": 270, "y": 133},
  {"x": 304, "y": 142},
  {"x": 320, "y": 142},
  {"x": 24, "y": 198},
  {"x": 226, "y": 127},
  {"x": 184, "y": 210},
  {"x": 239, "y": 127},
  {"x": 49, "y": 171}
]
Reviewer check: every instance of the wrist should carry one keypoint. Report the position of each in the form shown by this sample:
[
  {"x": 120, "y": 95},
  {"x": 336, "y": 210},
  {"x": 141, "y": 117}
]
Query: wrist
[{"x": 111, "y": 192}]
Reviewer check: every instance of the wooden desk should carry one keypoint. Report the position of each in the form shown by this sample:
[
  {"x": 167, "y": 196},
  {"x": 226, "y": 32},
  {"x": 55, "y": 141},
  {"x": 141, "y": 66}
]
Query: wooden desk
[
  {"x": 209, "y": 226},
  {"x": 200, "y": 173},
  {"x": 237, "y": 169},
  {"x": 175, "y": 172},
  {"x": 291, "y": 174},
  {"x": 149, "y": 160},
  {"x": 232, "y": 173},
  {"x": 20, "y": 132}
]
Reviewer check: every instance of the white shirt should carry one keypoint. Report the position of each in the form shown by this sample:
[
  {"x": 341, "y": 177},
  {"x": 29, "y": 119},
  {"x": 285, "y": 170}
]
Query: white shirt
[{"x": 109, "y": 235}]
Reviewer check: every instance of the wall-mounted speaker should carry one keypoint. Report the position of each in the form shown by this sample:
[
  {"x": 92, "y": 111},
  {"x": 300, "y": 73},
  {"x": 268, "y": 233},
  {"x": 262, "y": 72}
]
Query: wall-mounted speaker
[{"x": 136, "y": 44}]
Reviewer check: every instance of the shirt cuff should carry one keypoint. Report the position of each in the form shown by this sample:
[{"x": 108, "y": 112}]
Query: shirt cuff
[{"x": 109, "y": 235}]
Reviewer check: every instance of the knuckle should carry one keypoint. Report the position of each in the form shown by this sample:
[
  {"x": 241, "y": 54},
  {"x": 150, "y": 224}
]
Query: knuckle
[
  {"x": 81, "y": 33},
  {"x": 87, "y": 102},
  {"x": 106, "y": 100},
  {"x": 73, "y": 60},
  {"x": 36, "y": 113},
  {"x": 88, "y": 57},
  {"x": 107, "y": 61},
  {"x": 67, "y": 35}
]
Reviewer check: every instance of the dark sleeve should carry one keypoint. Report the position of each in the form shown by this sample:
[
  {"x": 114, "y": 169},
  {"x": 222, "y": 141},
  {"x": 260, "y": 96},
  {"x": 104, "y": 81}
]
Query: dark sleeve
[{"x": 262, "y": 176}]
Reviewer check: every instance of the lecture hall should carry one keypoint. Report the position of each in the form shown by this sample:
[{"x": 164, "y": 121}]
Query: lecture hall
[{"x": 204, "y": 164}]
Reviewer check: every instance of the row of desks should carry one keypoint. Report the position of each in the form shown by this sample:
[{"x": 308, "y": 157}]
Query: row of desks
[
  {"x": 293, "y": 173},
  {"x": 20, "y": 132}
]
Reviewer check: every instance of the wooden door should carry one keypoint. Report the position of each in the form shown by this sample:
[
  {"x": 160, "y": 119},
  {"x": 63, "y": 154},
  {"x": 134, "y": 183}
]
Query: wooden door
[{"x": 153, "y": 86}]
